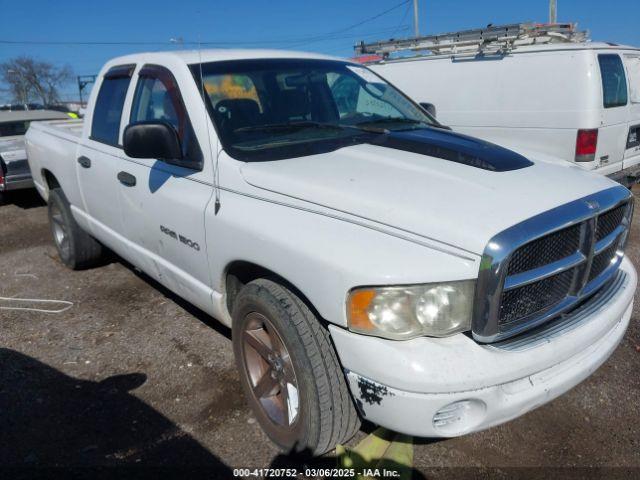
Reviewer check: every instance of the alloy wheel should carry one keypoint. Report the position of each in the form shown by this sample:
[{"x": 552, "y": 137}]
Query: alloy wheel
[
  {"x": 60, "y": 233},
  {"x": 268, "y": 365}
]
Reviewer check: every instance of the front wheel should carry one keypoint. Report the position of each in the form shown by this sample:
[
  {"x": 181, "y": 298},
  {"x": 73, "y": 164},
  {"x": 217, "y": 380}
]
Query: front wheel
[{"x": 290, "y": 371}]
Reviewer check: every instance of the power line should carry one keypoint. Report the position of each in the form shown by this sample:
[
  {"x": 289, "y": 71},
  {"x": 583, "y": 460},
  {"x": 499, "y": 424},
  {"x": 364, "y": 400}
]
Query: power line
[
  {"x": 372, "y": 18},
  {"x": 401, "y": 25},
  {"x": 290, "y": 41}
]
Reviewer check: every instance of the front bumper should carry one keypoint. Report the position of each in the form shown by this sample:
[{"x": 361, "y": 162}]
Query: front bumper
[{"x": 413, "y": 386}]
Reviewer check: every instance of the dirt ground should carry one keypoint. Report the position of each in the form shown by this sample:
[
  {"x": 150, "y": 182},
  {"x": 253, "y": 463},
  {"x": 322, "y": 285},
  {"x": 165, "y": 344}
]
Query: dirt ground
[{"x": 132, "y": 377}]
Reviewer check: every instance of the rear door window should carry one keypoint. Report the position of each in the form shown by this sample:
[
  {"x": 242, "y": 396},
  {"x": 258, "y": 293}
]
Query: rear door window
[
  {"x": 614, "y": 81},
  {"x": 107, "y": 113}
]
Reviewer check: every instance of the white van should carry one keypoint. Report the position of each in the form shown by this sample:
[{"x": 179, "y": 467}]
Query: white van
[{"x": 579, "y": 102}]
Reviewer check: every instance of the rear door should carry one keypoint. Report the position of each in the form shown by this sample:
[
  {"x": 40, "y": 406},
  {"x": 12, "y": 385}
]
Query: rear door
[
  {"x": 164, "y": 209},
  {"x": 632, "y": 152},
  {"x": 612, "y": 135},
  {"x": 98, "y": 158}
]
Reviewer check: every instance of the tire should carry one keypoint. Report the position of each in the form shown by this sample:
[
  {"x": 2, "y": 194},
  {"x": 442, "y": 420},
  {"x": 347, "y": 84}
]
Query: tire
[
  {"x": 76, "y": 248},
  {"x": 304, "y": 364}
]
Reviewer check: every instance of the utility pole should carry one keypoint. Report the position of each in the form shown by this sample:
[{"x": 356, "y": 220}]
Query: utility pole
[
  {"x": 416, "y": 30},
  {"x": 553, "y": 11},
  {"x": 83, "y": 81}
]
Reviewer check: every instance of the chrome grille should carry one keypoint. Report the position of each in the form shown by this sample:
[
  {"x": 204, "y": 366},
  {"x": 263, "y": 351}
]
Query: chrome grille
[
  {"x": 540, "y": 268},
  {"x": 534, "y": 297},
  {"x": 571, "y": 320},
  {"x": 602, "y": 260},
  {"x": 545, "y": 250},
  {"x": 609, "y": 221}
]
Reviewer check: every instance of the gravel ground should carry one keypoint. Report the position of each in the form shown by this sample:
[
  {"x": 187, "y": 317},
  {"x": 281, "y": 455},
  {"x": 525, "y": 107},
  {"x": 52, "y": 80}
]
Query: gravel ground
[{"x": 133, "y": 376}]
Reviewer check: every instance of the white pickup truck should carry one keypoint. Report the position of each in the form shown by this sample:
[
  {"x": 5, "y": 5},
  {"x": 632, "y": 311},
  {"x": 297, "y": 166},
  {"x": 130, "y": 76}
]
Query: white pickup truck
[{"x": 371, "y": 263}]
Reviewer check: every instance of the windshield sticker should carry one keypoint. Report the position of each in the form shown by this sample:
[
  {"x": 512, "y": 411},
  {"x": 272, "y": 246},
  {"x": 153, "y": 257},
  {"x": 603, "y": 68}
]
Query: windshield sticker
[{"x": 365, "y": 74}]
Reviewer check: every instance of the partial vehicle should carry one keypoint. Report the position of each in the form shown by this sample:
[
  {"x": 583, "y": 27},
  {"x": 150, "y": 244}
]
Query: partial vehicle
[
  {"x": 542, "y": 88},
  {"x": 21, "y": 107},
  {"x": 14, "y": 169},
  {"x": 369, "y": 262}
]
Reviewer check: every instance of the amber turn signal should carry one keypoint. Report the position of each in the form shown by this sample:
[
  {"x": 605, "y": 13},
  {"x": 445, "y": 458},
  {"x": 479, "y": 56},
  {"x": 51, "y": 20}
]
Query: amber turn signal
[{"x": 359, "y": 302}]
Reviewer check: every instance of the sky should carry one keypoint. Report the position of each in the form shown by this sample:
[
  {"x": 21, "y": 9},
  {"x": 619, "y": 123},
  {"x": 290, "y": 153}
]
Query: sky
[{"x": 85, "y": 34}]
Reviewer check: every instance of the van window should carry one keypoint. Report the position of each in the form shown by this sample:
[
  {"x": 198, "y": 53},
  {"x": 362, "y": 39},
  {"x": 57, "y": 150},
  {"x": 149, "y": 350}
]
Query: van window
[
  {"x": 108, "y": 109},
  {"x": 614, "y": 81},
  {"x": 633, "y": 70}
]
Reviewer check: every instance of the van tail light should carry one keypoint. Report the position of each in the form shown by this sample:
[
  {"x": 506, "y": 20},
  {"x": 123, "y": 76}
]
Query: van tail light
[{"x": 586, "y": 144}]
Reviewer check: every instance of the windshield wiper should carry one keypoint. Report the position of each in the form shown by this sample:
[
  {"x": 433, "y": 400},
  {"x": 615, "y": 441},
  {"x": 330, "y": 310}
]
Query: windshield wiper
[
  {"x": 301, "y": 125},
  {"x": 407, "y": 121},
  {"x": 269, "y": 127},
  {"x": 386, "y": 120}
]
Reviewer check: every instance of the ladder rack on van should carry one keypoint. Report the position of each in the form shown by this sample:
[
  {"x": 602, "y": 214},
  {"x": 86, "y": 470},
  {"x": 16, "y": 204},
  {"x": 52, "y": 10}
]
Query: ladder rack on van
[{"x": 492, "y": 39}]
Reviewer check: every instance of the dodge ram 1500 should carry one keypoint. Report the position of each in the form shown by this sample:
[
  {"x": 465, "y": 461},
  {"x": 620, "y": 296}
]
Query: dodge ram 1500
[{"x": 370, "y": 263}]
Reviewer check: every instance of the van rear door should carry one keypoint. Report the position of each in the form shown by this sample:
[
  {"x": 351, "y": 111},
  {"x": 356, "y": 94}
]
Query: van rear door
[
  {"x": 612, "y": 135},
  {"x": 632, "y": 148}
]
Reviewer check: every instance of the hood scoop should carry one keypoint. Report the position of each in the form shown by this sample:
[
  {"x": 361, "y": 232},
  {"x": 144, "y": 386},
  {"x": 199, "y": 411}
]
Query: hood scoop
[{"x": 453, "y": 147}]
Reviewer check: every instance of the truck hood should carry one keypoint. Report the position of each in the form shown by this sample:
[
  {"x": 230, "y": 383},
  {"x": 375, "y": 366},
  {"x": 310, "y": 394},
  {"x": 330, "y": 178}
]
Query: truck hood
[{"x": 423, "y": 192}]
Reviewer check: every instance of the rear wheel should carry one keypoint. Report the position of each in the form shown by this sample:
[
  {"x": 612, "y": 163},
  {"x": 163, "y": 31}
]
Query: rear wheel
[
  {"x": 289, "y": 370},
  {"x": 76, "y": 248}
]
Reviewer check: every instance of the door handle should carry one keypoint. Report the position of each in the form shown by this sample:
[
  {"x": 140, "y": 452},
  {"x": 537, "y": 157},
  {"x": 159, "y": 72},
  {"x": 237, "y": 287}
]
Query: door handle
[
  {"x": 127, "y": 179},
  {"x": 85, "y": 162}
]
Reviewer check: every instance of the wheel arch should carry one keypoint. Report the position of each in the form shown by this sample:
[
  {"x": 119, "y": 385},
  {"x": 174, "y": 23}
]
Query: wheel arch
[
  {"x": 50, "y": 179},
  {"x": 238, "y": 273}
]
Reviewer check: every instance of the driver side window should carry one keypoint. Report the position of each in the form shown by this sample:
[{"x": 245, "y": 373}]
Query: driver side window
[{"x": 157, "y": 98}]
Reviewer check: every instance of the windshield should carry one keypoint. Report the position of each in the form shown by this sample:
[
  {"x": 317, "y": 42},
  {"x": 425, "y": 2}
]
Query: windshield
[{"x": 279, "y": 108}]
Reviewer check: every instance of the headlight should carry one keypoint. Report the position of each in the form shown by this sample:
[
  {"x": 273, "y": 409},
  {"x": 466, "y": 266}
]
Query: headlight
[{"x": 435, "y": 309}]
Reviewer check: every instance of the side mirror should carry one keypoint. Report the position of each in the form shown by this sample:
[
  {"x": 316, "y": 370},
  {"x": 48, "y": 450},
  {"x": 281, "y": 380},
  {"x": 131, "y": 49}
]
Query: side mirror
[
  {"x": 430, "y": 108},
  {"x": 154, "y": 139}
]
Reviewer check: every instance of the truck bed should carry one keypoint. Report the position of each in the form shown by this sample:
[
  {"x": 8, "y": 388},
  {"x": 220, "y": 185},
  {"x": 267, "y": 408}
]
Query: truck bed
[
  {"x": 51, "y": 147},
  {"x": 68, "y": 129}
]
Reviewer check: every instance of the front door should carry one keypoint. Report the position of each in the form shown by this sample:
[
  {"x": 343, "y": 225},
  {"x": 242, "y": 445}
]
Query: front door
[{"x": 163, "y": 203}]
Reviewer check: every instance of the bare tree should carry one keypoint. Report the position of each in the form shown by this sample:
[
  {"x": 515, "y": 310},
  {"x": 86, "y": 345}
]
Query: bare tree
[{"x": 29, "y": 79}]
